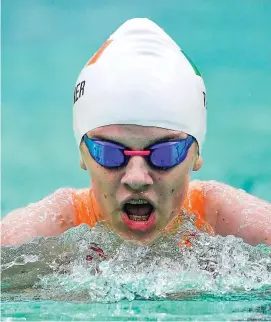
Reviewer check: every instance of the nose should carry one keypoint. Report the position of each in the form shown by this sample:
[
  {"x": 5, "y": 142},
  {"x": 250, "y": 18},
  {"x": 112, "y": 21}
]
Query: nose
[{"x": 137, "y": 176}]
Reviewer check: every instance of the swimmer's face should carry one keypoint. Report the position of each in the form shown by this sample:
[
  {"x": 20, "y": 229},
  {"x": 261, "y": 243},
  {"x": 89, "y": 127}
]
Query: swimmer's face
[{"x": 164, "y": 190}]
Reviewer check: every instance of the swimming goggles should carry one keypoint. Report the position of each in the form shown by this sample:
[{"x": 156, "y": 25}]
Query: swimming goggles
[{"x": 161, "y": 156}]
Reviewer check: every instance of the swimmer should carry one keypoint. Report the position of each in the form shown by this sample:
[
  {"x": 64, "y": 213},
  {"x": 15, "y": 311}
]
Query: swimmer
[{"x": 139, "y": 119}]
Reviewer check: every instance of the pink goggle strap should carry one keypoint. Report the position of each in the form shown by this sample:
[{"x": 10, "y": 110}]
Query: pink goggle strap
[{"x": 136, "y": 153}]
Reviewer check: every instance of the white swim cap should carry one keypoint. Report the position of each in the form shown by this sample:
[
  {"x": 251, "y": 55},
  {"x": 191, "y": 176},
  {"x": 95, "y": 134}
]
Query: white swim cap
[{"x": 140, "y": 76}]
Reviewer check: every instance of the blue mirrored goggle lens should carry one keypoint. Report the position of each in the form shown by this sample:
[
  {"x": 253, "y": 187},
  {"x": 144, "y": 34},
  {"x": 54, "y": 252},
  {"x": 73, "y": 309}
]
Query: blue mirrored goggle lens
[
  {"x": 170, "y": 154},
  {"x": 107, "y": 154}
]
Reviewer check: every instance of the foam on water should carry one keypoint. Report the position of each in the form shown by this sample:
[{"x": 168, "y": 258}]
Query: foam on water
[{"x": 56, "y": 267}]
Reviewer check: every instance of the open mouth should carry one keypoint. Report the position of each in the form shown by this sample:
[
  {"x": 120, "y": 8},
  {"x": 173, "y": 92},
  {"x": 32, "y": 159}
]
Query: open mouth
[
  {"x": 138, "y": 214},
  {"x": 138, "y": 210}
]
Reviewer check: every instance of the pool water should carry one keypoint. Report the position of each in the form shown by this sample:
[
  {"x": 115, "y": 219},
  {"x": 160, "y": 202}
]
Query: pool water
[
  {"x": 247, "y": 308},
  {"x": 44, "y": 46}
]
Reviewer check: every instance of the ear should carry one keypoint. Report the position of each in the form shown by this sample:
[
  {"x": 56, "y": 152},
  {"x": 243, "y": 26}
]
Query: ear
[
  {"x": 82, "y": 164},
  {"x": 197, "y": 163}
]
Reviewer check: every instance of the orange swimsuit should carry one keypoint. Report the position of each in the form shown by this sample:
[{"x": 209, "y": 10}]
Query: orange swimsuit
[{"x": 87, "y": 210}]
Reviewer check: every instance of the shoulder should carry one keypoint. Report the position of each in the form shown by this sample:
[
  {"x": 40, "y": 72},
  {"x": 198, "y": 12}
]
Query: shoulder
[
  {"x": 207, "y": 188},
  {"x": 215, "y": 195},
  {"x": 49, "y": 216}
]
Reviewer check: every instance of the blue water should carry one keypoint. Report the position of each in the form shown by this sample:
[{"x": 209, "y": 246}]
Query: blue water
[
  {"x": 45, "y": 44},
  {"x": 204, "y": 310}
]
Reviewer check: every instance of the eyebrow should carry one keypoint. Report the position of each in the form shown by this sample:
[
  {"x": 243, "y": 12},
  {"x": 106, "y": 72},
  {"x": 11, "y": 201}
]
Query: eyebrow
[{"x": 151, "y": 142}]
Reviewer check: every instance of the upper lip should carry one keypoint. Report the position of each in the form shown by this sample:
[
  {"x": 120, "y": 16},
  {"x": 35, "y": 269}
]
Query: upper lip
[{"x": 136, "y": 198}]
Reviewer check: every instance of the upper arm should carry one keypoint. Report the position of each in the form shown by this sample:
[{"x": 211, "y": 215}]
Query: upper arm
[
  {"x": 235, "y": 212},
  {"x": 50, "y": 216}
]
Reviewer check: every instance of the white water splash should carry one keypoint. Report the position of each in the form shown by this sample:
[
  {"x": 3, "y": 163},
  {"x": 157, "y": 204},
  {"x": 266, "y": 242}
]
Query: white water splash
[{"x": 216, "y": 265}]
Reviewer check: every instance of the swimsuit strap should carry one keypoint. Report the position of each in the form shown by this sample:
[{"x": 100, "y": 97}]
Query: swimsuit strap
[{"x": 86, "y": 209}]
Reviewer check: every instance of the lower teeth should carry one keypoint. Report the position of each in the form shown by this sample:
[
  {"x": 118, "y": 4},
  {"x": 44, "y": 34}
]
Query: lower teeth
[{"x": 138, "y": 218}]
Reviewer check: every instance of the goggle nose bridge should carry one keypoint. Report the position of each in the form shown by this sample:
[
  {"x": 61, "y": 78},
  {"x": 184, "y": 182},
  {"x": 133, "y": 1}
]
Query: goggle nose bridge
[{"x": 136, "y": 153}]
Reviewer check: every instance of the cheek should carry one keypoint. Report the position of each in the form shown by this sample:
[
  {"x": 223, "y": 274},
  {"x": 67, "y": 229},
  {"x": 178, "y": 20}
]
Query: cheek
[
  {"x": 99, "y": 175},
  {"x": 104, "y": 184},
  {"x": 174, "y": 180},
  {"x": 180, "y": 190},
  {"x": 173, "y": 186},
  {"x": 103, "y": 181},
  {"x": 180, "y": 184}
]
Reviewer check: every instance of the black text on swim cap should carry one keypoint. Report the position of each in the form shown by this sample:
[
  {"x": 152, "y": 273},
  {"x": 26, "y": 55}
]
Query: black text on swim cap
[{"x": 78, "y": 91}]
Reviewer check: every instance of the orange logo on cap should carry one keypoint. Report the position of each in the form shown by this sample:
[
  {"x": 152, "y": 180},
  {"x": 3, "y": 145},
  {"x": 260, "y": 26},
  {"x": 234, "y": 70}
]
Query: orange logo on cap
[{"x": 98, "y": 54}]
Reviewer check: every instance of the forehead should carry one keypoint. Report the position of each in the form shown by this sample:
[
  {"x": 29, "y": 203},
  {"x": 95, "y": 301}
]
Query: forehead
[{"x": 134, "y": 134}]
